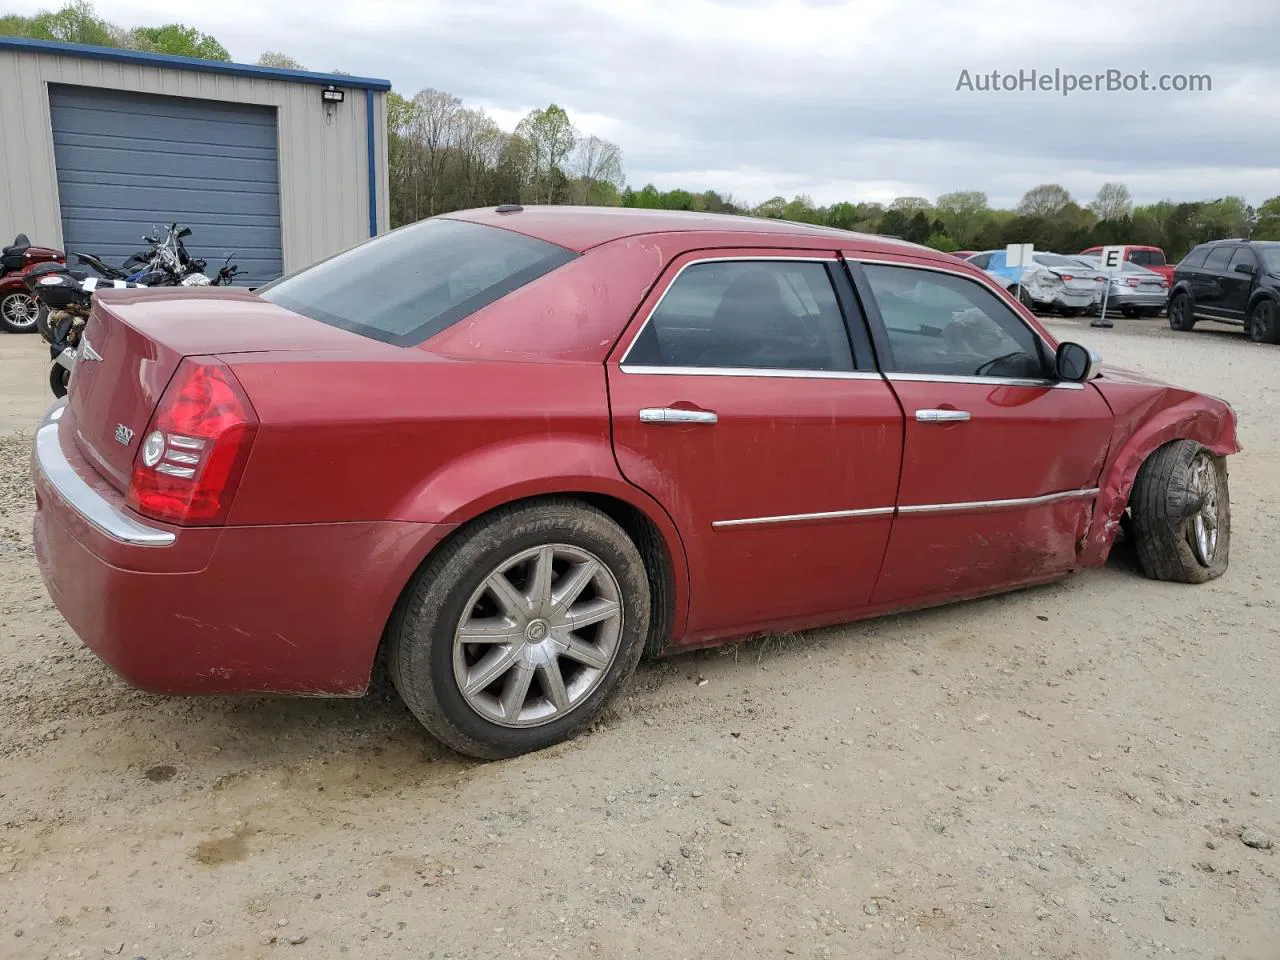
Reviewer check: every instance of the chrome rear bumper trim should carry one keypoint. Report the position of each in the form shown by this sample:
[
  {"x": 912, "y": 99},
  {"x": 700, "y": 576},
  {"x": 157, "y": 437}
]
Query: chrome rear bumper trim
[{"x": 81, "y": 497}]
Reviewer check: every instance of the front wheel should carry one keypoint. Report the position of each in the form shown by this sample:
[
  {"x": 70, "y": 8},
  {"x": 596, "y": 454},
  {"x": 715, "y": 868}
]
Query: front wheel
[
  {"x": 519, "y": 631},
  {"x": 1181, "y": 313},
  {"x": 18, "y": 312},
  {"x": 1263, "y": 325},
  {"x": 1182, "y": 514}
]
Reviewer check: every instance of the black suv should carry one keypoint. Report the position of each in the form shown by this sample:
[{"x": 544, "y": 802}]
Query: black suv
[{"x": 1230, "y": 281}]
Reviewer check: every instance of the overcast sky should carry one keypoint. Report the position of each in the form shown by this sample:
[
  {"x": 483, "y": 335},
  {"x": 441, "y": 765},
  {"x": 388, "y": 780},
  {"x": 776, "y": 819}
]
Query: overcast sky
[{"x": 839, "y": 100}]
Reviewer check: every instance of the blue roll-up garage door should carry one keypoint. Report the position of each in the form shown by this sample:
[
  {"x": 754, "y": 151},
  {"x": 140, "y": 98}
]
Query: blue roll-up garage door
[{"x": 127, "y": 162}]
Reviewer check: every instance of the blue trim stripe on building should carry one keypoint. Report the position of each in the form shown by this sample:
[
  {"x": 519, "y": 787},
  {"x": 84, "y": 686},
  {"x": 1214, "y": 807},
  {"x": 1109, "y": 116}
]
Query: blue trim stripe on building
[
  {"x": 191, "y": 63},
  {"x": 373, "y": 175}
]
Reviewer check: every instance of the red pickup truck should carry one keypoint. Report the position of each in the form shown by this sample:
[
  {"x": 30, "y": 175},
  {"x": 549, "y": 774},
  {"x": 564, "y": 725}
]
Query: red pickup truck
[{"x": 1150, "y": 257}]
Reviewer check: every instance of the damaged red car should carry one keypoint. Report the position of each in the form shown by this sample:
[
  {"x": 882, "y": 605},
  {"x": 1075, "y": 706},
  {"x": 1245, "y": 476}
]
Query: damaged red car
[{"x": 514, "y": 450}]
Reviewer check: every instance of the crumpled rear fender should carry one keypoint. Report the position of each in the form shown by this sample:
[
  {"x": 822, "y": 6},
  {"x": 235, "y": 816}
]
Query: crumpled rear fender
[{"x": 1206, "y": 420}]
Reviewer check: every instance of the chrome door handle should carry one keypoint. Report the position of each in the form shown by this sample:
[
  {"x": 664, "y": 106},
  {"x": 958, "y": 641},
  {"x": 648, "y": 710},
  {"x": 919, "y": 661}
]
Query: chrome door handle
[
  {"x": 672, "y": 415},
  {"x": 942, "y": 416}
]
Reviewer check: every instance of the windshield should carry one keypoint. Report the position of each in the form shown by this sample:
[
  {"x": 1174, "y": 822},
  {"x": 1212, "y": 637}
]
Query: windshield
[
  {"x": 1270, "y": 258},
  {"x": 412, "y": 283}
]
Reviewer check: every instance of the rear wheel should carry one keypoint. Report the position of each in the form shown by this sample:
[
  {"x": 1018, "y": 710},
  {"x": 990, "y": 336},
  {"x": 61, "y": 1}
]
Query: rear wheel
[
  {"x": 1181, "y": 313},
  {"x": 59, "y": 380},
  {"x": 18, "y": 312},
  {"x": 1264, "y": 322},
  {"x": 1182, "y": 514},
  {"x": 519, "y": 631},
  {"x": 1128, "y": 311}
]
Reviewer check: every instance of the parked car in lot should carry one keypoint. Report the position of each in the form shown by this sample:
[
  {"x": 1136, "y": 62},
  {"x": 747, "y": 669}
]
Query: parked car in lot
[
  {"x": 1054, "y": 284},
  {"x": 1135, "y": 291},
  {"x": 1230, "y": 281},
  {"x": 516, "y": 449},
  {"x": 1144, "y": 256}
]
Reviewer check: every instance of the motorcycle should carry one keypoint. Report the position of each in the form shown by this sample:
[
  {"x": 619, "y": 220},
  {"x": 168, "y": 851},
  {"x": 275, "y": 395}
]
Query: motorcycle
[{"x": 19, "y": 310}]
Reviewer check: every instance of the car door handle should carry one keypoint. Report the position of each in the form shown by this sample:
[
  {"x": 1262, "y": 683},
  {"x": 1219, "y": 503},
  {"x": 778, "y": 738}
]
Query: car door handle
[
  {"x": 942, "y": 416},
  {"x": 674, "y": 415}
]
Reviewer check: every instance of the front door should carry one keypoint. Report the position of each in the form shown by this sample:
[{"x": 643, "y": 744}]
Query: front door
[
  {"x": 739, "y": 405},
  {"x": 1209, "y": 284},
  {"x": 1001, "y": 461},
  {"x": 1237, "y": 285}
]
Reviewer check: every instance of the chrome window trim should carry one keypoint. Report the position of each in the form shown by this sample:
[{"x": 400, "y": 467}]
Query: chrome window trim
[
  {"x": 82, "y": 498},
  {"x": 639, "y": 368},
  {"x": 753, "y": 372},
  {"x": 984, "y": 281},
  {"x": 964, "y": 506},
  {"x": 798, "y": 517},
  {"x": 976, "y": 505},
  {"x": 984, "y": 381}
]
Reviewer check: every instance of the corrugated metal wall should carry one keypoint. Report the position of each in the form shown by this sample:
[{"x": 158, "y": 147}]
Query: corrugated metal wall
[{"x": 324, "y": 192}]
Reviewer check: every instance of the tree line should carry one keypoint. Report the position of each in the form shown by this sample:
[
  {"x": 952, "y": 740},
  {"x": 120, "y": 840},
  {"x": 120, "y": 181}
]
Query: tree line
[{"x": 445, "y": 156}]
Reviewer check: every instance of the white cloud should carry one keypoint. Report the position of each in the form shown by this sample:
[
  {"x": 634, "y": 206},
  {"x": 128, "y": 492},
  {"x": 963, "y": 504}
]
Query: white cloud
[{"x": 840, "y": 100}]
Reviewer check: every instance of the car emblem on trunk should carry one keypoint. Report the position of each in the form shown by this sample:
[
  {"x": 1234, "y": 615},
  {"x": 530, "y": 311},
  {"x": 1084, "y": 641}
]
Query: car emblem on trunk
[
  {"x": 86, "y": 352},
  {"x": 123, "y": 434}
]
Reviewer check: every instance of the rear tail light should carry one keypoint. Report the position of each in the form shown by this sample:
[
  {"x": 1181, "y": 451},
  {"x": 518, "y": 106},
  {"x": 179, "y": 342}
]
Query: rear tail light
[
  {"x": 1132, "y": 281},
  {"x": 195, "y": 447}
]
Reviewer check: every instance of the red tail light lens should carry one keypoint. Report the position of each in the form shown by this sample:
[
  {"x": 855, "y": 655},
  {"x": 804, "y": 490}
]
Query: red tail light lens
[
  {"x": 195, "y": 448},
  {"x": 1068, "y": 277},
  {"x": 1132, "y": 281}
]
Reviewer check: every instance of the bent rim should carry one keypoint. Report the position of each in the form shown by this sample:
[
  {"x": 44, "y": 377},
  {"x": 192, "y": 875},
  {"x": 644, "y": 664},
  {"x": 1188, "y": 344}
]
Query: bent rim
[
  {"x": 1204, "y": 522},
  {"x": 20, "y": 310},
  {"x": 538, "y": 635}
]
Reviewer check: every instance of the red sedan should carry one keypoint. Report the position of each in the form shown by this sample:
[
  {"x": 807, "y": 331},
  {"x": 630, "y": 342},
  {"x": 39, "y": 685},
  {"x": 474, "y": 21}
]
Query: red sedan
[{"x": 520, "y": 448}]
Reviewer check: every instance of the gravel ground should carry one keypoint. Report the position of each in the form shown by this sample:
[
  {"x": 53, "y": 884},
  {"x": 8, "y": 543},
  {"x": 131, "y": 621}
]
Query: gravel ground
[{"x": 1083, "y": 770}]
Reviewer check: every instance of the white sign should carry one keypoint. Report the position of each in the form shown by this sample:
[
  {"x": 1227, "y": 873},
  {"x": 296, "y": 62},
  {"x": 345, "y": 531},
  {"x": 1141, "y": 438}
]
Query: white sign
[
  {"x": 1019, "y": 255},
  {"x": 1113, "y": 260}
]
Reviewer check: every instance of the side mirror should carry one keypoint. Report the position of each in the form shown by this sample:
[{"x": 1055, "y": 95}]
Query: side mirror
[
  {"x": 1244, "y": 268},
  {"x": 1075, "y": 363}
]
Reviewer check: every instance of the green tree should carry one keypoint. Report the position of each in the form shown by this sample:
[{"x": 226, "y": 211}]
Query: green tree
[
  {"x": 75, "y": 23},
  {"x": 940, "y": 241},
  {"x": 803, "y": 210},
  {"x": 910, "y": 205},
  {"x": 962, "y": 214},
  {"x": 1113, "y": 202},
  {"x": 1043, "y": 201},
  {"x": 1268, "y": 227},
  {"x": 551, "y": 139},
  {"x": 280, "y": 61},
  {"x": 773, "y": 208}
]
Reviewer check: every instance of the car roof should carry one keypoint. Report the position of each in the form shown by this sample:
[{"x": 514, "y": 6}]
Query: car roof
[{"x": 581, "y": 228}]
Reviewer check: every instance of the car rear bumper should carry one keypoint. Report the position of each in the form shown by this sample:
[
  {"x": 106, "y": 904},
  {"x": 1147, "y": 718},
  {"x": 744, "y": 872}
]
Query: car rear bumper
[
  {"x": 295, "y": 609},
  {"x": 1136, "y": 298}
]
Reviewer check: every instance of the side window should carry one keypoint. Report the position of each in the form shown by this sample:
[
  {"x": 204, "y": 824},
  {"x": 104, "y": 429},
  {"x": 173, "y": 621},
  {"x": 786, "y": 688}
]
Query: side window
[
  {"x": 1243, "y": 255},
  {"x": 939, "y": 323},
  {"x": 980, "y": 260},
  {"x": 1218, "y": 257},
  {"x": 1195, "y": 258},
  {"x": 752, "y": 314}
]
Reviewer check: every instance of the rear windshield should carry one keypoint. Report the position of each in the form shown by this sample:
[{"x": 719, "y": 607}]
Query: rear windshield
[
  {"x": 1147, "y": 258},
  {"x": 414, "y": 282}
]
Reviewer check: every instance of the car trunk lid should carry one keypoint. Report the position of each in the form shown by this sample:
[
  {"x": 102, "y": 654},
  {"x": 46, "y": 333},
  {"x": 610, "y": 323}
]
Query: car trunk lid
[{"x": 134, "y": 341}]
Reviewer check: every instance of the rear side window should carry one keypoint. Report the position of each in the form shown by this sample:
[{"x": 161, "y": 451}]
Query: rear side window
[
  {"x": 980, "y": 260},
  {"x": 410, "y": 284},
  {"x": 749, "y": 315},
  {"x": 1195, "y": 258},
  {"x": 1217, "y": 258},
  {"x": 1147, "y": 258}
]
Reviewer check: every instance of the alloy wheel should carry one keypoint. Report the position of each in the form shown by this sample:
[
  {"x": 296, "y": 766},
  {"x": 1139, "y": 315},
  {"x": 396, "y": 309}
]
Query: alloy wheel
[
  {"x": 538, "y": 636},
  {"x": 1204, "y": 522},
  {"x": 20, "y": 310}
]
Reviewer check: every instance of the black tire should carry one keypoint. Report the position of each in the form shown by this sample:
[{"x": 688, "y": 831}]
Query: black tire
[
  {"x": 1165, "y": 503},
  {"x": 1181, "y": 312},
  {"x": 1025, "y": 297},
  {"x": 1128, "y": 311},
  {"x": 1263, "y": 325},
  {"x": 18, "y": 312},
  {"x": 420, "y": 636},
  {"x": 59, "y": 378},
  {"x": 1073, "y": 311}
]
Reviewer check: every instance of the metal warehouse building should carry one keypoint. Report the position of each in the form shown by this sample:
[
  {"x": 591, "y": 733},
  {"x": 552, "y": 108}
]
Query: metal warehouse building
[{"x": 98, "y": 146}]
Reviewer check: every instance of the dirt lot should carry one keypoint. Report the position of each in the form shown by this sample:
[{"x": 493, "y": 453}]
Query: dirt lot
[{"x": 1062, "y": 772}]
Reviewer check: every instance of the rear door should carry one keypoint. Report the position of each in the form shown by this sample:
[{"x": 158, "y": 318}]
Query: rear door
[
  {"x": 1001, "y": 461},
  {"x": 746, "y": 405},
  {"x": 1237, "y": 285},
  {"x": 1209, "y": 287}
]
